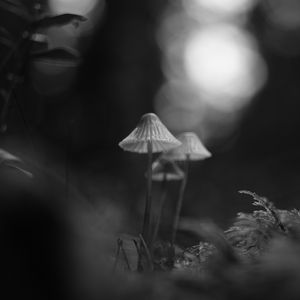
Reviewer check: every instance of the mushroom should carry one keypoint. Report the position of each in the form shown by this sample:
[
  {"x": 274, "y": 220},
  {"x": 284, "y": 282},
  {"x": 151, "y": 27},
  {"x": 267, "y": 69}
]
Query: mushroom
[
  {"x": 150, "y": 136},
  {"x": 164, "y": 170},
  {"x": 190, "y": 149}
]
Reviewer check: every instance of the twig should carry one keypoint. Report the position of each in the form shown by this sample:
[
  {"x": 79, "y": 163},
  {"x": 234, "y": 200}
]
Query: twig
[
  {"x": 138, "y": 250},
  {"x": 147, "y": 252}
]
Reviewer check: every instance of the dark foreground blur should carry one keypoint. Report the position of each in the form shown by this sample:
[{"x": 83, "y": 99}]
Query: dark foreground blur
[{"x": 56, "y": 249}]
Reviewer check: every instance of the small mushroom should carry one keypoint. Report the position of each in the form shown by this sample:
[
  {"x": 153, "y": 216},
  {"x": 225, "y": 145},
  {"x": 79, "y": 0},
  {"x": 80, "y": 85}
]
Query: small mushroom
[
  {"x": 190, "y": 149},
  {"x": 164, "y": 170},
  {"x": 149, "y": 136}
]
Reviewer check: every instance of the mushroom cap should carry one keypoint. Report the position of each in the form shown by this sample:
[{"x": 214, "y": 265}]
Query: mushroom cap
[
  {"x": 149, "y": 128},
  {"x": 190, "y": 145},
  {"x": 168, "y": 169}
]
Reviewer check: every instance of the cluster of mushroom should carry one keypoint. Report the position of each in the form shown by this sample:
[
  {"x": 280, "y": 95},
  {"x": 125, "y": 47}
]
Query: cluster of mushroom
[{"x": 151, "y": 136}]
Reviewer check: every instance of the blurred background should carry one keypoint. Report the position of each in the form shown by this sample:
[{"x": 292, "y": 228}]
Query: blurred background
[{"x": 227, "y": 70}]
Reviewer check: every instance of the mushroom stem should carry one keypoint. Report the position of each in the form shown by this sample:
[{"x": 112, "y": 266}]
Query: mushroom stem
[
  {"x": 180, "y": 199},
  {"x": 146, "y": 225},
  {"x": 161, "y": 205}
]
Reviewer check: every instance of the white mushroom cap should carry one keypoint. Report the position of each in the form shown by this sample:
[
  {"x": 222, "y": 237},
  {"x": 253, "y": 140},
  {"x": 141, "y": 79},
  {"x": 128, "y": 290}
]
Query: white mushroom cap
[
  {"x": 168, "y": 169},
  {"x": 191, "y": 146},
  {"x": 150, "y": 128}
]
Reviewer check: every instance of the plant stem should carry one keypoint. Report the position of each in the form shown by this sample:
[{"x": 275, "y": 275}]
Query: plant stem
[
  {"x": 67, "y": 161},
  {"x": 161, "y": 205},
  {"x": 139, "y": 260},
  {"x": 180, "y": 199},
  {"x": 146, "y": 225},
  {"x": 148, "y": 254}
]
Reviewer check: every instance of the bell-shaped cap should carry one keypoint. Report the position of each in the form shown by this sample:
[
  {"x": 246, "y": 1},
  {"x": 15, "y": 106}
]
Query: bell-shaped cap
[
  {"x": 150, "y": 128},
  {"x": 166, "y": 169},
  {"x": 191, "y": 146}
]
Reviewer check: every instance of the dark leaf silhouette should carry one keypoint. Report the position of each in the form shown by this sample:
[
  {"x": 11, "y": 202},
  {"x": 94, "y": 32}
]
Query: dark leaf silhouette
[
  {"x": 59, "y": 20},
  {"x": 15, "y": 8}
]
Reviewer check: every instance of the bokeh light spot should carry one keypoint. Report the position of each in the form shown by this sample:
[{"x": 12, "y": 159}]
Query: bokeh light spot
[
  {"x": 222, "y": 62},
  {"x": 224, "y": 7}
]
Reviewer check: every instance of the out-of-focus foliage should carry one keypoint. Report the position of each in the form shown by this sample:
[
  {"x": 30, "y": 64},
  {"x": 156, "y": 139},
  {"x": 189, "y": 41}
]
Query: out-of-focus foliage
[
  {"x": 251, "y": 233},
  {"x": 258, "y": 257},
  {"x": 23, "y": 41}
]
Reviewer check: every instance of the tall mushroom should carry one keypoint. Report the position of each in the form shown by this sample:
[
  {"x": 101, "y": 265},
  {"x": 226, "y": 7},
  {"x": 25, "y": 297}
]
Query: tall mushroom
[
  {"x": 190, "y": 149},
  {"x": 149, "y": 136},
  {"x": 164, "y": 170}
]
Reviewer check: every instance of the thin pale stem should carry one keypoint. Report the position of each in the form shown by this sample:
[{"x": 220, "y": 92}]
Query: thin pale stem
[
  {"x": 161, "y": 205},
  {"x": 139, "y": 260},
  {"x": 180, "y": 199},
  {"x": 147, "y": 214},
  {"x": 5, "y": 107},
  {"x": 148, "y": 254}
]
